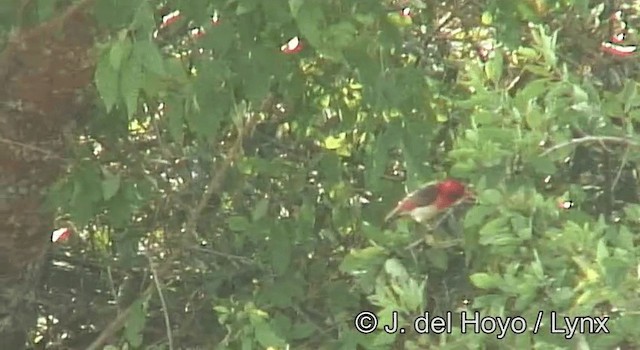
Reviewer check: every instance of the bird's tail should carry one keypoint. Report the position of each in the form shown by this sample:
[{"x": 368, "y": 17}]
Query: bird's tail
[{"x": 392, "y": 214}]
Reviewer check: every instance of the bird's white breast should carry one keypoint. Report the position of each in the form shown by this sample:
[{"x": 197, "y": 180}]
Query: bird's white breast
[{"x": 424, "y": 214}]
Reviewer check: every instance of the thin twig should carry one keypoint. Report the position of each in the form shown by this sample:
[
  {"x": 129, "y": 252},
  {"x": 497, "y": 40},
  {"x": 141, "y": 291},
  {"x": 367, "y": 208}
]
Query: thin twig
[
  {"x": 233, "y": 257},
  {"x": 31, "y": 148},
  {"x": 589, "y": 139},
  {"x": 112, "y": 285},
  {"x": 163, "y": 302},
  {"x": 619, "y": 173}
]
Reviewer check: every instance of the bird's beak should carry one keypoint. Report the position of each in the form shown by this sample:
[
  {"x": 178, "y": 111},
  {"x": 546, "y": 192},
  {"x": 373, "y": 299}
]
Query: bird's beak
[{"x": 469, "y": 196}]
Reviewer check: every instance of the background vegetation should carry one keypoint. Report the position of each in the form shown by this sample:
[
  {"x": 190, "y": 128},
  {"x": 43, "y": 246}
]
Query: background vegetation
[{"x": 224, "y": 188}]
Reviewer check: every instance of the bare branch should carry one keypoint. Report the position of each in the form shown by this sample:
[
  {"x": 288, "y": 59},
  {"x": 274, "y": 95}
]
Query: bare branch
[
  {"x": 31, "y": 148},
  {"x": 218, "y": 174},
  {"x": 625, "y": 157},
  {"x": 116, "y": 323},
  {"x": 165, "y": 309},
  {"x": 591, "y": 139}
]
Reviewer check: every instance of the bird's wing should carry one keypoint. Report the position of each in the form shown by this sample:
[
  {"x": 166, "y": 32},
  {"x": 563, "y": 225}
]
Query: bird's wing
[
  {"x": 425, "y": 195},
  {"x": 420, "y": 197}
]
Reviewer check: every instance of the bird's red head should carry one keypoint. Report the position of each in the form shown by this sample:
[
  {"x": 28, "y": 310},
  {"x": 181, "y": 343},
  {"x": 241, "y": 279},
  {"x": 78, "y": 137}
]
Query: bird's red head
[{"x": 450, "y": 191}]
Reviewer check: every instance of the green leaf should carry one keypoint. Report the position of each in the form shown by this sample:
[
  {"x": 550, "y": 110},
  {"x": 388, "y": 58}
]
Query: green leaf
[
  {"x": 174, "y": 112},
  {"x": 45, "y": 9},
  {"x": 260, "y": 209},
  {"x": 120, "y": 207},
  {"x": 106, "y": 79},
  {"x": 220, "y": 38},
  {"x": 383, "y": 339},
  {"x": 486, "y": 281},
  {"x": 278, "y": 12},
  {"x": 542, "y": 165},
  {"x": 266, "y": 336},
  {"x": 114, "y": 14},
  {"x": 306, "y": 219},
  {"x": 310, "y": 19},
  {"x": 532, "y": 90},
  {"x": 632, "y": 211},
  {"x": 87, "y": 191},
  {"x": 629, "y": 95},
  {"x": 528, "y": 53},
  {"x": 477, "y": 215},
  {"x": 399, "y": 20},
  {"x": 176, "y": 70},
  {"x": 538, "y": 70},
  {"x": 601, "y": 250},
  {"x": 110, "y": 184},
  {"x": 635, "y": 115},
  {"x": 363, "y": 259},
  {"x": 332, "y": 142},
  {"x": 486, "y": 18},
  {"x": 256, "y": 81},
  {"x": 380, "y": 155},
  {"x": 616, "y": 271},
  {"x": 130, "y": 84},
  {"x": 493, "y": 68},
  {"x": 144, "y": 19},
  {"x": 135, "y": 324},
  {"x": 246, "y": 6},
  {"x": 485, "y": 118},
  {"x": 439, "y": 258},
  {"x": 395, "y": 269},
  {"x": 81, "y": 207},
  {"x": 120, "y": 51},
  {"x": 340, "y": 35},
  {"x": 211, "y": 103},
  {"x": 536, "y": 266},
  {"x": 280, "y": 248},
  {"x": 491, "y": 196},
  {"x": 494, "y": 229},
  {"x": 295, "y": 6},
  {"x": 148, "y": 53},
  {"x": 302, "y": 330},
  {"x": 238, "y": 223}
]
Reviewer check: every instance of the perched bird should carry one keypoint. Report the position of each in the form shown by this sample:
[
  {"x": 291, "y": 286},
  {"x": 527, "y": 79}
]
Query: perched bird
[{"x": 425, "y": 203}]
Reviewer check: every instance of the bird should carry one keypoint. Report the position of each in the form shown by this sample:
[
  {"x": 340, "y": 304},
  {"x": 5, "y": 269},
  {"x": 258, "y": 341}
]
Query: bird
[{"x": 425, "y": 203}]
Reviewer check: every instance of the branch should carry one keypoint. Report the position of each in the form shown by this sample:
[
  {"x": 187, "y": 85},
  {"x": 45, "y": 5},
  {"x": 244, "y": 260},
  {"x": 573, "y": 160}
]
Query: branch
[
  {"x": 116, "y": 323},
  {"x": 619, "y": 173},
  {"x": 590, "y": 139},
  {"x": 232, "y": 257},
  {"x": 218, "y": 175},
  {"x": 33, "y": 148},
  {"x": 163, "y": 302}
]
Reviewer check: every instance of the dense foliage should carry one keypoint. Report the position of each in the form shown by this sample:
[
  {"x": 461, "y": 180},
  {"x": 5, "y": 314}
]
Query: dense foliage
[{"x": 227, "y": 191}]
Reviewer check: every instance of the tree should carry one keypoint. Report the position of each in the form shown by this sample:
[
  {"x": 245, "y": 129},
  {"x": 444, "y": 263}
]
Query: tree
[{"x": 44, "y": 70}]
